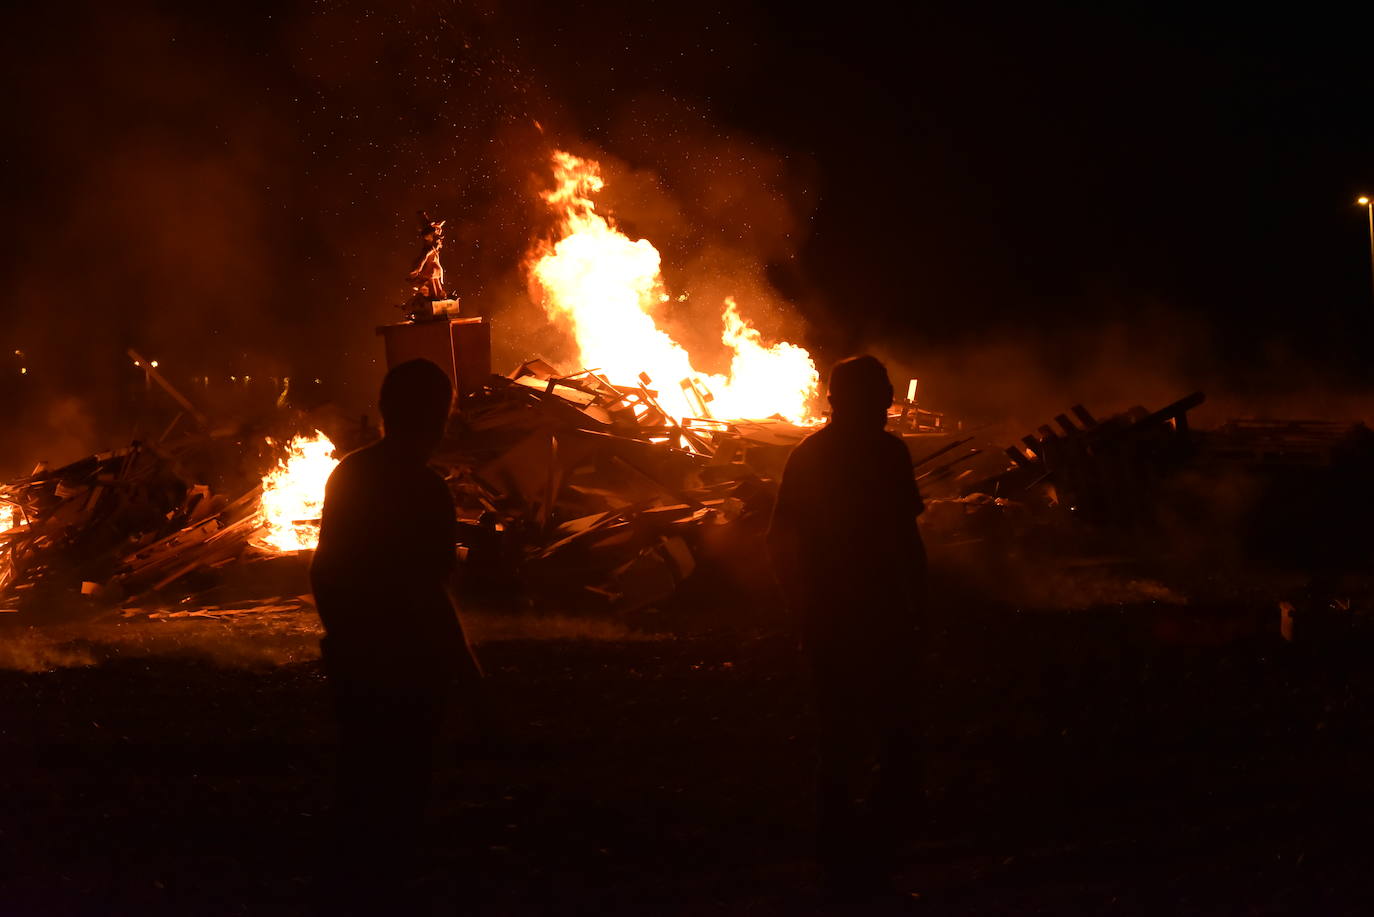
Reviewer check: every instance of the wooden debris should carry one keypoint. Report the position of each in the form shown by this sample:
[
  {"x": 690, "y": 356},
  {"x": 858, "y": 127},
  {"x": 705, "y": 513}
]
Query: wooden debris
[
  {"x": 591, "y": 493},
  {"x": 1105, "y": 472}
]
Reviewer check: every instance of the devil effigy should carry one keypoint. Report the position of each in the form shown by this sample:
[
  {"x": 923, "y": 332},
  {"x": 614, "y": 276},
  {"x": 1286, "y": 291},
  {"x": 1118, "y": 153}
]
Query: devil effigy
[{"x": 428, "y": 297}]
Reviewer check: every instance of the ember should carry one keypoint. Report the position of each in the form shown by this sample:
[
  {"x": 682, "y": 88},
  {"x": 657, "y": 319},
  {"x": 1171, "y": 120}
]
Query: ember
[
  {"x": 293, "y": 494},
  {"x": 606, "y": 287}
]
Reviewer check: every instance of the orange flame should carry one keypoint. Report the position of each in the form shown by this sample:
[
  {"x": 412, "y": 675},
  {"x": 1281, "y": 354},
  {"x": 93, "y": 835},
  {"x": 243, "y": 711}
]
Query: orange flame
[
  {"x": 10, "y": 518},
  {"x": 606, "y": 287},
  {"x": 293, "y": 494}
]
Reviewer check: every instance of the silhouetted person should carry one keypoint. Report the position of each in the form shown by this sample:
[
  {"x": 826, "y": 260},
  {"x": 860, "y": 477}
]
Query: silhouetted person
[
  {"x": 393, "y": 649},
  {"x": 849, "y": 558}
]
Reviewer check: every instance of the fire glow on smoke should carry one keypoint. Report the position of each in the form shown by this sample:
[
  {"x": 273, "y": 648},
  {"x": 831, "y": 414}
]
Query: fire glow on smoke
[
  {"x": 605, "y": 287},
  {"x": 293, "y": 494}
]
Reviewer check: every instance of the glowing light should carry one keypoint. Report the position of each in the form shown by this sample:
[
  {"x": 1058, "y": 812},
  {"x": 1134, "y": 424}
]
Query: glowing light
[
  {"x": 153, "y": 363},
  {"x": 605, "y": 287},
  {"x": 9, "y": 519},
  {"x": 293, "y": 494},
  {"x": 1363, "y": 202}
]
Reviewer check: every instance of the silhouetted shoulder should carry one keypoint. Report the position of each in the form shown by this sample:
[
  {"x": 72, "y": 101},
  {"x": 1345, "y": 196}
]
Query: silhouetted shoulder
[
  {"x": 894, "y": 443},
  {"x": 354, "y": 466},
  {"x": 361, "y": 460},
  {"x": 375, "y": 466},
  {"x": 896, "y": 452},
  {"x": 386, "y": 515}
]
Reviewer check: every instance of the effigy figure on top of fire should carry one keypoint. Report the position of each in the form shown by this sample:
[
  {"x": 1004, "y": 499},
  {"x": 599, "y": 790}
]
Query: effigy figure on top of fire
[
  {"x": 428, "y": 273},
  {"x": 427, "y": 276}
]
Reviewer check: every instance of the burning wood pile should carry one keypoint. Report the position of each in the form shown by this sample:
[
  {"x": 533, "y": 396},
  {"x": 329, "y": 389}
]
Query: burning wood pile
[
  {"x": 588, "y": 493},
  {"x": 573, "y": 492},
  {"x": 595, "y": 493},
  {"x": 586, "y": 485},
  {"x": 127, "y": 525},
  {"x": 602, "y": 489}
]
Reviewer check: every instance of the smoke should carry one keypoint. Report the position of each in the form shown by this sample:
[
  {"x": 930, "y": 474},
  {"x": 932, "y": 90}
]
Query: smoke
[
  {"x": 55, "y": 430},
  {"x": 243, "y": 642},
  {"x": 38, "y": 650},
  {"x": 497, "y": 628},
  {"x": 1045, "y": 583},
  {"x": 146, "y": 188},
  {"x": 236, "y": 195},
  {"x": 1015, "y": 380},
  {"x": 248, "y": 640},
  {"x": 232, "y": 192},
  {"x": 726, "y": 214}
]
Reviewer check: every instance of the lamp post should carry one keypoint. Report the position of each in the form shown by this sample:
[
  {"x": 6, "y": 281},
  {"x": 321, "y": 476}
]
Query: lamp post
[{"x": 1368, "y": 205}]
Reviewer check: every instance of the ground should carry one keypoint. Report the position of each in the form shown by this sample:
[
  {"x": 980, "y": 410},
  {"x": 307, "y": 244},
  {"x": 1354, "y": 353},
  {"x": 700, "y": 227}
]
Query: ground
[{"x": 1077, "y": 765}]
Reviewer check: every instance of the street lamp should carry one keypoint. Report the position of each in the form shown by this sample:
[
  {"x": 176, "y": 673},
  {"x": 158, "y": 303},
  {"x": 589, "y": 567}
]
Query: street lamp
[{"x": 1368, "y": 205}]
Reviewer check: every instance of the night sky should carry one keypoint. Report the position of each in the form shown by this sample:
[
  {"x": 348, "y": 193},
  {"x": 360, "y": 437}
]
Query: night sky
[{"x": 1034, "y": 199}]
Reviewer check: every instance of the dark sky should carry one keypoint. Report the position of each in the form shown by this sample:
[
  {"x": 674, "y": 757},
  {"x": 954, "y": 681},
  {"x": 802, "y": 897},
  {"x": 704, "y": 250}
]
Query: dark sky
[{"x": 232, "y": 186}]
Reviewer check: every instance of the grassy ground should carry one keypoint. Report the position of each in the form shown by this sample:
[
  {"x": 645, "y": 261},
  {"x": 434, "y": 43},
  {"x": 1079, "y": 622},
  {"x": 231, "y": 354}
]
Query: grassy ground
[{"x": 1076, "y": 765}]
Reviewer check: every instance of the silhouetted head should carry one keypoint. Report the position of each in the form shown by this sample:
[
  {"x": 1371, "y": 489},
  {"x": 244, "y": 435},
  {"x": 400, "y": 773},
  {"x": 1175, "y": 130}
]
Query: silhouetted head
[
  {"x": 860, "y": 390},
  {"x": 415, "y": 402}
]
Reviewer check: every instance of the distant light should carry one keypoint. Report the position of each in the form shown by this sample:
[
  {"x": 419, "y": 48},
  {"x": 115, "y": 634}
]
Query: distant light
[
  {"x": 136, "y": 363},
  {"x": 153, "y": 364},
  {"x": 233, "y": 378},
  {"x": 1363, "y": 202},
  {"x": 19, "y": 353},
  {"x": 247, "y": 378},
  {"x": 317, "y": 381},
  {"x": 23, "y": 370}
]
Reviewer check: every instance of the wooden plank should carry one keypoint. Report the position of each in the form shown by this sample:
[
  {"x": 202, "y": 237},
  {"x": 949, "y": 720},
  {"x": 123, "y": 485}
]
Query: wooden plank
[
  {"x": 941, "y": 470},
  {"x": 167, "y": 387},
  {"x": 557, "y": 389},
  {"x": 941, "y": 451},
  {"x": 698, "y": 444},
  {"x": 1173, "y": 411},
  {"x": 643, "y": 475}
]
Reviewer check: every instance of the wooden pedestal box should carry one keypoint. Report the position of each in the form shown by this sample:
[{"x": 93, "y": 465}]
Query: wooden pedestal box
[{"x": 461, "y": 347}]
